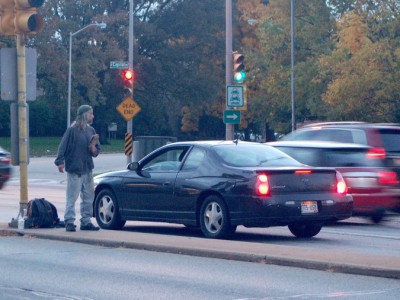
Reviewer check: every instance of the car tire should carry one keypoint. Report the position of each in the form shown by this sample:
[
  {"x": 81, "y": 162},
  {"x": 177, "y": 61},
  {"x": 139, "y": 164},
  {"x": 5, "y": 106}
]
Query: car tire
[
  {"x": 214, "y": 218},
  {"x": 377, "y": 218},
  {"x": 304, "y": 230},
  {"x": 107, "y": 210}
]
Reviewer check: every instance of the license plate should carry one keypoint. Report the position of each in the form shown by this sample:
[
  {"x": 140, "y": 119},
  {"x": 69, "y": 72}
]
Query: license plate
[{"x": 309, "y": 207}]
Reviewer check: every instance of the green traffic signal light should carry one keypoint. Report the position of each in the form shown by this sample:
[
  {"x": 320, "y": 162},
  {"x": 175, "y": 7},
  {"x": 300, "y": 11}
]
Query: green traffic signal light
[
  {"x": 238, "y": 67},
  {"x": 239, "y": 77}
]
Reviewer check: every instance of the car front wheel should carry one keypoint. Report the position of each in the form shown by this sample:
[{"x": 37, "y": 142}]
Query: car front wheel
[
  {"x": 214, "y": 218},
  {"x": 304, "y": 230},
  {"x": 107, "y": 211}
]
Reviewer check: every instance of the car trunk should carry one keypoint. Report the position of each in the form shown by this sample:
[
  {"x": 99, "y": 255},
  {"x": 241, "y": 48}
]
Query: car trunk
[{"x": 302, "y": 181}]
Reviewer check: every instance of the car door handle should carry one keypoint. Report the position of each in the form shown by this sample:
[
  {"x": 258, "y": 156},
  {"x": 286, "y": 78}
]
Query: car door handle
[{"x": 167, "y": 183}]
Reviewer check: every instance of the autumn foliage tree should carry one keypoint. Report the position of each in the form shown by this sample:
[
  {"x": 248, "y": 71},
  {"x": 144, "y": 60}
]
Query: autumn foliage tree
[{"x": 346, "y": 55}]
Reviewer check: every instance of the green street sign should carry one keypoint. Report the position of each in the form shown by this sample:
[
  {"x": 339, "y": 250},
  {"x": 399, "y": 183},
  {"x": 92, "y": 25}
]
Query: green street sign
[
  {"x": 235, "y": 96},
  {"x": 232, "y": 116},
  {"x": 119, "y": 65}
]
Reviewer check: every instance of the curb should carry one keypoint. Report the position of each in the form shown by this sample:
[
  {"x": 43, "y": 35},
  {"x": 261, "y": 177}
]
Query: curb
[{"x": 281, "y": 260}]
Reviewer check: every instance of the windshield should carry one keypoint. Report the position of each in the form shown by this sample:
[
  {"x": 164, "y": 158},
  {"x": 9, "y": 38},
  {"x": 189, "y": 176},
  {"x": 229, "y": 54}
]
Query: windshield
[{"x": 253, "y": 155}]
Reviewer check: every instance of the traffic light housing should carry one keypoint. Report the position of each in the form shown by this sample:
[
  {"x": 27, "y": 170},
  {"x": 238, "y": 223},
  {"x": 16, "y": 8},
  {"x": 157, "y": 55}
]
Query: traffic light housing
[
  {"x": 238, "y": 67},
  {"x": 20, "y": 17},
  {"x": 128, "y": 77}
]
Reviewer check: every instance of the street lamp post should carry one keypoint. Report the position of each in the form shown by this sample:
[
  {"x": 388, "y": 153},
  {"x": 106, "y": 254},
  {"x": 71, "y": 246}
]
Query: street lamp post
[
  {"x": 71, "y": 34},
  {"x": 292, "y": 77}
]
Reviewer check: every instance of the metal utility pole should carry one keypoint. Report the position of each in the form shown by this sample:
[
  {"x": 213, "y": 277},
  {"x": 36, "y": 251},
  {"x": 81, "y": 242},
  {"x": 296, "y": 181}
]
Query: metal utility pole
[
  {"x": 22, "y": 124},
  {"x": 130, "y": 62},
  {"x": 229, "y": 128},
  {"x": 292, "y": 64}
]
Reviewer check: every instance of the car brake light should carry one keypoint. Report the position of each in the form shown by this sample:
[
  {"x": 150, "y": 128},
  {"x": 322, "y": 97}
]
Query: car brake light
[
  {"x": 376, "y": 153},
  {"x": 341, "y": 186},
  {"x": 388, "y": 178},
  {"x": 262, "y": 185},
  {"x": 6, "y": 160},
  {"x": 297, "y": 172}
]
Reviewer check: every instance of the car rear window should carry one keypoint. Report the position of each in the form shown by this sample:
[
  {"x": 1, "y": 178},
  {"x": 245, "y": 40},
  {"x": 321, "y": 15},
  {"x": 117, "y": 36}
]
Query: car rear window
[
  {"x": 390, "y": 139},
  {"x": 349, "y": 158},
  {"x": 343, "y": 135},
  {"x": 325, "y": 157},
  {"x": 253, "y": 155}
]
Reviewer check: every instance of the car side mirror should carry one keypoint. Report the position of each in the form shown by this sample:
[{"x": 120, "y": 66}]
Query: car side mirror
[{"x": 133, "y": 166}]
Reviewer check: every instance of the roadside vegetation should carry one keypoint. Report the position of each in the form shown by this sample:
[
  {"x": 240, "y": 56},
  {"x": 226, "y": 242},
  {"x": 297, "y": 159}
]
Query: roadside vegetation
[
  {"x": 347, "y": 65},
  {"x": 48, "y": 146}
]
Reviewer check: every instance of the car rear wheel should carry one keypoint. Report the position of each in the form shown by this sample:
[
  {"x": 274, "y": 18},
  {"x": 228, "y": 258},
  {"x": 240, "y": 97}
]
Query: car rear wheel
[
  {"x": 214, "y": 218},
  {"x": 377, "y": 218},
  {"x": 107, "y": 210},
  {"x": 304, "y": 230}
]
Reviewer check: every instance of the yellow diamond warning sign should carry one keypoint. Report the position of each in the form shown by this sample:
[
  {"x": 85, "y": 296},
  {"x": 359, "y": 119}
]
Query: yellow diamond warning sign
[{"x": 128, "y": 108}]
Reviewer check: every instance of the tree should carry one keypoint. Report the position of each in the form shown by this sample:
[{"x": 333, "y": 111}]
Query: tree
[
  {"x": 363, "y": 71},
  {"x": 270, "y": 61}
]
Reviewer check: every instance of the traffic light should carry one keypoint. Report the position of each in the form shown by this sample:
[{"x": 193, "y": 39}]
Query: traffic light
[
  {"x": 238, "y": 67},
  {"x": 20, "y": 17},
  {"x": 128, "y": 76}
]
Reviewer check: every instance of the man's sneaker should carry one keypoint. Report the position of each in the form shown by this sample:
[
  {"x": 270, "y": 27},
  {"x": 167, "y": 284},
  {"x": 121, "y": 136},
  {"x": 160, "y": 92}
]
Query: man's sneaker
[
  {"x": 70, "y": 227},
  {"x": 89, "y": 226}
]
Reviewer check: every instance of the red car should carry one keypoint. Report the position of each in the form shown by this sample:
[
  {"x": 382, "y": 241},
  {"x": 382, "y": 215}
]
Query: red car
[
  {"x": 373, "y": 186},
  {"x": 5, "y": 167},
  {"x": 383, "y": 138}
]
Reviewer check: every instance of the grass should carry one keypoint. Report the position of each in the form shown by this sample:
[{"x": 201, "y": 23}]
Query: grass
[{"x": 48, "y": 146}]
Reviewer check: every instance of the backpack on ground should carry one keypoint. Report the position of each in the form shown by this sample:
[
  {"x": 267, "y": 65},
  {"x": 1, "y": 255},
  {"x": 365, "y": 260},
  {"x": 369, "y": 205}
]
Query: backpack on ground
[{"x": 41, "y": 214}]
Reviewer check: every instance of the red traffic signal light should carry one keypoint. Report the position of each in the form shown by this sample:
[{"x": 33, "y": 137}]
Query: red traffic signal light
[
  {"x": 20, "y": 17},
  {"x": 128, "y": 75}
]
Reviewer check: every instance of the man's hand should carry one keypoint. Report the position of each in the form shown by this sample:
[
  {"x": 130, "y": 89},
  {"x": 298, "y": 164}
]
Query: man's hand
[
  {"x": 61, "y": 168},
  {"x": 93, "y": 150}
]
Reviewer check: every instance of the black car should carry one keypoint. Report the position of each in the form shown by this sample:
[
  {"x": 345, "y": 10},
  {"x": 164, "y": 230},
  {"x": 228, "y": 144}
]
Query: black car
[
  {"x": 5, "y": 167},
  {"x": 218, "y": 185},
  {"x": 373, "y": 186}
]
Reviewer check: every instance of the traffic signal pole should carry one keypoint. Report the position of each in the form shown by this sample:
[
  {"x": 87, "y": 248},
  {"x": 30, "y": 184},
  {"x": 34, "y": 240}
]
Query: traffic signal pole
[
  {"x": 19, "y": 18},
  {"x": 22, "y": 124},
  {"x": 229, "y": 128},
  {"x": 130, "y": 62}
]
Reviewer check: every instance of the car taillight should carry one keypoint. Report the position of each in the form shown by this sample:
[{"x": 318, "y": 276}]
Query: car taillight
[
  {"x": 341, "y": 186},
  {"x": 388, "y": 178},
  {"x": 6, "y": 160},
  {"x": 262, "y": 185},
  {"x": 376, "y": 153}
]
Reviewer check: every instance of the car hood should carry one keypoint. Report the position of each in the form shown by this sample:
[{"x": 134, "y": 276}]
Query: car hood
[{"x": 119, "y": 173}]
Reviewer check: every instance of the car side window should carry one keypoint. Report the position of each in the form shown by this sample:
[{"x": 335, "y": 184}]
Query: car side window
[
  {"x": 194, "y": 159},
  {"x": 300, "y": 135},
  {"x": 338, "y": 135},
  {"x": 167, "y": 161}
]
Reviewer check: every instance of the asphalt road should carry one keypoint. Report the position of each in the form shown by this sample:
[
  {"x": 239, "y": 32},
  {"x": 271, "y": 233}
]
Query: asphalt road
[
  {"x": 34, "y": 268},
  {"x": 43, "y": 169},
  {"x": 352, "y": 246}
]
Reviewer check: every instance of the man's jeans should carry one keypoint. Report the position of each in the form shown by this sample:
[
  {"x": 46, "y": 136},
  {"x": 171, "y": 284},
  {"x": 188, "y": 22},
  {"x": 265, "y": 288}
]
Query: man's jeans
[{"x": 79, "y": 185}]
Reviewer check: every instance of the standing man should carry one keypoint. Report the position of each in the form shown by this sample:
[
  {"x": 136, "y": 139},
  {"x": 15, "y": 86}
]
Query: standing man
[{"x": 75, "y": 153}]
